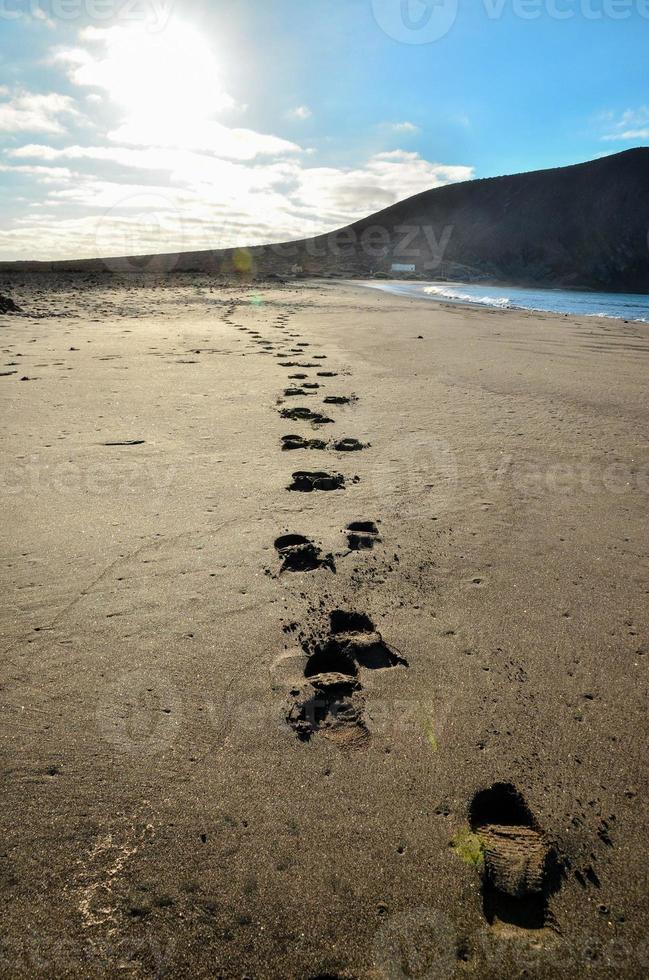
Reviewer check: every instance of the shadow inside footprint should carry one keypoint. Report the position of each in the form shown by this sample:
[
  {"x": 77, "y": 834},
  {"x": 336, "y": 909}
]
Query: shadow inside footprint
[
  {"x": 350, "y": 622},
  {"x": 299, "y": 554},
  {"x": 521, "y": 868},
  {"x": 339, "y": 400},
  {"x": 304, "y": 482},
  {"x": 355, "y": 635},
  {"x": 330, "y": 660}
]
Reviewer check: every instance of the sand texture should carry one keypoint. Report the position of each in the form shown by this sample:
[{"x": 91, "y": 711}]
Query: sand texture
[{"x": 293, "y": 574}]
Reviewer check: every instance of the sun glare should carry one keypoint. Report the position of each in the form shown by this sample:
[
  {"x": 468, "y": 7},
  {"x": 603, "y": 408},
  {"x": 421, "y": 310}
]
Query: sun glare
[{"x": 166, "y": 82}]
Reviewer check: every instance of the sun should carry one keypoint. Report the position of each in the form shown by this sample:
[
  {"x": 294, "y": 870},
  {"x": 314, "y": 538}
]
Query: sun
[{"x": 166, "y": 82}]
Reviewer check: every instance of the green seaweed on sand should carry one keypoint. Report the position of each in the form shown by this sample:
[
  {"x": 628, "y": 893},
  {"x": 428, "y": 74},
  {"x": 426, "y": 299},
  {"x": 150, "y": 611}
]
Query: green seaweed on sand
[
  {"x": 468, "y": 847},
  {"x": 429, "y": 732}
]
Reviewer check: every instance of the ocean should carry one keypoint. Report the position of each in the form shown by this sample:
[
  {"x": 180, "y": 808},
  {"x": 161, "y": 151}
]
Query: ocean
[{"x": 621, "y": 306}]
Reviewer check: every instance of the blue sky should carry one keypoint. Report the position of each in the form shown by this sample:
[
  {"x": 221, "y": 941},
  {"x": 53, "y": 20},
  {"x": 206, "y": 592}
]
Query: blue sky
[{"x": 150, "y": 125}]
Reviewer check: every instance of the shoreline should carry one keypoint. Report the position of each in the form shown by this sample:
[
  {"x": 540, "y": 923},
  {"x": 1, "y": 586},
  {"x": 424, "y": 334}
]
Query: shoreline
[{"x": 510, "y": 306}]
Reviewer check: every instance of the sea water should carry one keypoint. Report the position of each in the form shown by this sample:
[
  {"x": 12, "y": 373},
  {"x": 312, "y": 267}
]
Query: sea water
[{"x": 622, "y": 306}]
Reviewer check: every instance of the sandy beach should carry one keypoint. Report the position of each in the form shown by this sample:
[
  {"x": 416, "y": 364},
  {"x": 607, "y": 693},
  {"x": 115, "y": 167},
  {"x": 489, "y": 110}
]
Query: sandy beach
[{"x": 230, "y": 751}]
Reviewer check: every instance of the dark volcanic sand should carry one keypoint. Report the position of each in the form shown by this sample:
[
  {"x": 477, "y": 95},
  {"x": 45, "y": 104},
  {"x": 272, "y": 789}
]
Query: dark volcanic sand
[{"x": 168, "y": 810}]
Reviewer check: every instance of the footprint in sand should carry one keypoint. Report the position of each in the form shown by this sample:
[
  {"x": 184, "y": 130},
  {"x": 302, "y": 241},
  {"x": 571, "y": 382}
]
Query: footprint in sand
[
  {"x": 300, "y": 364},
  {"x": 349, "y": 446},
  {"x": 332, "y": 707},
  {"x": 520, "y": 868},
  {"x": 354, "y": 635},
  {"x": 294, "y": 392},
  {"x": 362, "y": 535},
  {"x": 340, "y": 399},
  {"x": 330, "y": 704},
  {"x": 300, "y": 554},
  {"x": 304, "y": 482},
  {"x": 302, "y": 414},
  {"x": 291, "y": 443}
]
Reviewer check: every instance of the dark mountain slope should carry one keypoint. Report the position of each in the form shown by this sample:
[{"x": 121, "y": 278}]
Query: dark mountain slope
[{"x": 583, "y": 225}]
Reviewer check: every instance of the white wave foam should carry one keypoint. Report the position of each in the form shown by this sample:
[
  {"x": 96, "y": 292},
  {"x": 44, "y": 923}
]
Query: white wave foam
[
  {"x": 612, "y": 315},
  {"x": 453, "y": 294}
]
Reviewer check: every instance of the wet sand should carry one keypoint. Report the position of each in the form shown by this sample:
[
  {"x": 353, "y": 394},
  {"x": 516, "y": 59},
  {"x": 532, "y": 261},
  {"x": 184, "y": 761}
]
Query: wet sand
[{"x": 174, "y": 804}]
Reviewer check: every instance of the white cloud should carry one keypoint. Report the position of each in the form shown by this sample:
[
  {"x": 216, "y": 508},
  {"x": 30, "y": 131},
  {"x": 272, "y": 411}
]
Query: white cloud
[
  {"x": 632, "y": 124},
  {"x": 627, "y": 134},
  {"x": 235, "y": 144},
  {"x": 300, "y": 113},
  {"x": 58, "y": 175},
  {"x": 346, "y": 195},
  {"x": 407, "y": 128},
  {"x": 26, "y": 112},
  {"x": 177, "y": 167}
]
